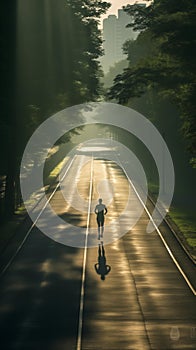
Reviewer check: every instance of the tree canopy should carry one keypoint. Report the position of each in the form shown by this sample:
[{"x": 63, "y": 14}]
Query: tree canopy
[
  {"x": 167, "y": 43},
  {"x": 49, "y": 61}
]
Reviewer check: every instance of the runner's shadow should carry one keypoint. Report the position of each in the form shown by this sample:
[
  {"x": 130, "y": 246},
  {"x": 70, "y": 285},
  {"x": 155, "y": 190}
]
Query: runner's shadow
[{"x": 101, "y": 267}]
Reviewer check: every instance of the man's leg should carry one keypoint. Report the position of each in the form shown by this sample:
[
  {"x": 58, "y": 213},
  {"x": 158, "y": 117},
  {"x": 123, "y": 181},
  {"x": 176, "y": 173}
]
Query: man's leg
[
  {"x": 102, "y": 227},
  {"x": 98, "y": 223}
]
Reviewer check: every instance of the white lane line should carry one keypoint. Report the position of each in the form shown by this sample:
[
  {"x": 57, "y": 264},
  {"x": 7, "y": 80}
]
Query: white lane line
[
  {"x": 34, "y": 224},
  {"x": 160, "y": 234},
  {"x": 80, "y": 320},
  {"x": 163, "y": 240}
]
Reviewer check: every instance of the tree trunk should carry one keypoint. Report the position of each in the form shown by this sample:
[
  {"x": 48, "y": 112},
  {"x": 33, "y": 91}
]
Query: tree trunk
[{"x": 9, "y": 35}]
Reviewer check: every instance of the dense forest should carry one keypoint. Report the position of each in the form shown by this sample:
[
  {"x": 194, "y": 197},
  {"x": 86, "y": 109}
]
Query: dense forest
[
  {"x": 49, "y": 61},
  {"x": 162, "y": 61}
]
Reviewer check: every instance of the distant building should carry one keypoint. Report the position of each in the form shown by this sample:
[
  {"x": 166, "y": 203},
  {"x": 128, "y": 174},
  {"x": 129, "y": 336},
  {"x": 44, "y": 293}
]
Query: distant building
[{"x": 115, "y": 34}]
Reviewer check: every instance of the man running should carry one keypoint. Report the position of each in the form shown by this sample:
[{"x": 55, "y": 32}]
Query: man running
[{"x": 100, "y": 210}]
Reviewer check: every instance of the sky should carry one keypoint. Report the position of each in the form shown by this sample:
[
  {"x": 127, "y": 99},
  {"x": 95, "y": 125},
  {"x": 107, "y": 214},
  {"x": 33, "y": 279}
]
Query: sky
[{"x": 117, "y": 4}]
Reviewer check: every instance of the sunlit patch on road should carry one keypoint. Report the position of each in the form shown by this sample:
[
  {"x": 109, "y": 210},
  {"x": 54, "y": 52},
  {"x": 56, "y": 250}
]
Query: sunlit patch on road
[{"x": 68, "y": 228}]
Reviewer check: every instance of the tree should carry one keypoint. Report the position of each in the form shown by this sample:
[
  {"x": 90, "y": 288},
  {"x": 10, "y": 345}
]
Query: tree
[
  {"x": 169, "y": 65},
  {"x": 117, "y": 68},
  {"x": 7, "y": 99},
  {"x": 54, "y": 65}
]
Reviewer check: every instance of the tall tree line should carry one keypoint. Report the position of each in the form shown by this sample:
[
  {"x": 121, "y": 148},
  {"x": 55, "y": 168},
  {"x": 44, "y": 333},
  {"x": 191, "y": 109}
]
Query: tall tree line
[
  {"x": 163, "y": 60},
  {"x": 49, "y": 61}
]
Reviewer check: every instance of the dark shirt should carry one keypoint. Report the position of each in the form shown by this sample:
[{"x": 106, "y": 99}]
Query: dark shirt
[{"x": 100, "y": 210}]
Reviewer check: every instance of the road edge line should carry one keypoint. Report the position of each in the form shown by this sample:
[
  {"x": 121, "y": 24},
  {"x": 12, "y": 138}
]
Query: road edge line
[
  {"x": 164, "y": 242},
  {"x": 160, "y": 235},
  {"x": 34, "y": 223}
]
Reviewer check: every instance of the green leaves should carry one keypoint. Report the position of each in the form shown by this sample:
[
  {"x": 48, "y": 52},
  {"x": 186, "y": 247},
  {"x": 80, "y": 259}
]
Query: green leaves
[
  {"x": 53, "y": 65},
  {"x": 88, "y": 9},
  {"x": 163, "y": 57}
]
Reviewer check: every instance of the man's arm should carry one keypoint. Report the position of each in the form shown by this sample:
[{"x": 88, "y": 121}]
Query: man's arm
[{"x": 106, "y": 210}]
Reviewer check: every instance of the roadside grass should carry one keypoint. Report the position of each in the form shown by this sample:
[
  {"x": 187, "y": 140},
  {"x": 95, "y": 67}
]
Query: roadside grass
[
  {"x": 186, "y": 222},
  {"x": 9, "y": 228},
  {"x": 55, "y": 172},
  {"x": 183, "y": 221}
]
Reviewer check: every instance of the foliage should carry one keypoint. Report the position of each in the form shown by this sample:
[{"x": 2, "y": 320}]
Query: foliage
[
  {"x": 167, "y": 62},
  {"x": 113, "y": 71},
  {"x": 49, "y": 61}
]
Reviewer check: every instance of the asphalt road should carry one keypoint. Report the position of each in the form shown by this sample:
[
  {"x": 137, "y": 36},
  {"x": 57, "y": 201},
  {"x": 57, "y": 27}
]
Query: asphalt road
[{"x": 52, "y": 296}]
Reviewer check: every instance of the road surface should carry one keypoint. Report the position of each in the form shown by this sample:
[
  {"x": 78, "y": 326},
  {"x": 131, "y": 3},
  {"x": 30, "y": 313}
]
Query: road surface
[{"x": 53, "y": 298}]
